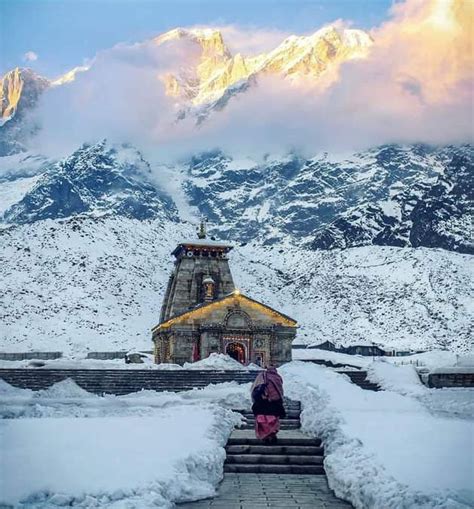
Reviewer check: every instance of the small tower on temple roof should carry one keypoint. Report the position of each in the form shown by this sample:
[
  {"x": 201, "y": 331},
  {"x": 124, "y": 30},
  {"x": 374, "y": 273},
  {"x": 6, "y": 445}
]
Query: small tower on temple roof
[
  {"x": 201, "y": 274},
  {"x": 202, "y": 230}
]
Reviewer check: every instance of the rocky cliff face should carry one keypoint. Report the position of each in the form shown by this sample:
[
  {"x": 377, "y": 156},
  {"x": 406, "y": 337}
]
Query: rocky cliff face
[
  {"x": 20, "y": 90},
  {"x": 389, "y": 196},
  {"x": 401, "y": 196}
]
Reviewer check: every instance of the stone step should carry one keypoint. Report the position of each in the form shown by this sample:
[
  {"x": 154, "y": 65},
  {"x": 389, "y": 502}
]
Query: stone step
[
  {"x": 273, "y": 459},
  {"x": 301, "y": 450},
  {"x": 291, "y": 420},
  {"x": 287, "y": 422},
  {"x": 282, "y": 441},
  {"x": 285, "y": 425},
  {"x": 290, "y": 414},
  {"x": 273, "y": 469},
  {"x": 360, "y": 379}
]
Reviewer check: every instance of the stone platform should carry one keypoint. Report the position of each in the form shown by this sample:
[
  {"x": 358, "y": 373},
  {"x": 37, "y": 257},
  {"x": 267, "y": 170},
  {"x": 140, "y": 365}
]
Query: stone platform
[{"x": 254, "y": 491}]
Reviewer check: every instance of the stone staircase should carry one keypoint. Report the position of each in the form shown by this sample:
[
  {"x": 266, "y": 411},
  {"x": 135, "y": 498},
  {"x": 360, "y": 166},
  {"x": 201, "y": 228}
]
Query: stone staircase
[
  {"x": 291, "y": 421},
  {"x": 294, "y": 453},
  {"x": 125, "y": 381},
  {"x": 360, "y": 378}
]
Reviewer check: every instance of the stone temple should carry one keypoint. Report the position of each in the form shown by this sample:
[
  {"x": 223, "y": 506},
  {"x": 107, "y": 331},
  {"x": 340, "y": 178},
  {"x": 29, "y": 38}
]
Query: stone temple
[{"x": 203, "y": 313}]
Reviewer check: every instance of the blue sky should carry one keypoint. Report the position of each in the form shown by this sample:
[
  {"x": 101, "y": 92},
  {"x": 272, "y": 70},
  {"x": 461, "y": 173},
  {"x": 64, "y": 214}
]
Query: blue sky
[{"x": 62, "y": 33}]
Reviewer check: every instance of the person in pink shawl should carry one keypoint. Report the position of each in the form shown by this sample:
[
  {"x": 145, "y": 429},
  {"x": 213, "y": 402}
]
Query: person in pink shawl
[{"x": 267, "y": 398}]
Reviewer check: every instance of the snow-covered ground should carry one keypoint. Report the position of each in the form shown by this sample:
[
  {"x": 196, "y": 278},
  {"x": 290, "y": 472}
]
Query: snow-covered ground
[
  {"x": 436, "y": 359},
  {"x": 310, "y": 354},
  {"x": 404, "y": 447},
  {"x": 64, "y": 446},
  {"x": 215, "y": 361},
  {"x": 404, "y": 380},
  {"x": 387, "y": 449}
]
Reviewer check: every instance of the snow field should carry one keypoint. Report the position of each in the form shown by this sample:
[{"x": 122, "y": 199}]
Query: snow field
[
  {"x": 384, "y": 449},
  {"x": 143, "y": 450},
  {"x": 404, "y": 447}
]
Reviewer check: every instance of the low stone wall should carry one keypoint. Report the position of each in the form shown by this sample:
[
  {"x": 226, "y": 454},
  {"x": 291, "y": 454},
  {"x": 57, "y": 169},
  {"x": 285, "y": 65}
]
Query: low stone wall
[
  {"x": 123, "y": 381},
  {"x": 106, "y": 356},
  {"x": 438, "y": 380},
  {"x": 21, "y": 356}
]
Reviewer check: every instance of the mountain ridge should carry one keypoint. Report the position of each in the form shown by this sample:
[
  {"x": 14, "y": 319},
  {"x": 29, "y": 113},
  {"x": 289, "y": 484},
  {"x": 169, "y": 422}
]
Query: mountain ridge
[{"x": 411, "y": 196}]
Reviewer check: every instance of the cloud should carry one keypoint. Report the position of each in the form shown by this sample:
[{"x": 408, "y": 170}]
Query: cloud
[
  {"x": 30, "y": 56},
  {"x": 415, "y": 86},
  {"x": 251, "y": 40}
]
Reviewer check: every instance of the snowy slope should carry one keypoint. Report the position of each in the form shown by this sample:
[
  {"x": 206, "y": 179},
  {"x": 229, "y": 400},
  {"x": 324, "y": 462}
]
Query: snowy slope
[
  {"x": 97, "y": 179},
  {"x": 97, "y": 283}
]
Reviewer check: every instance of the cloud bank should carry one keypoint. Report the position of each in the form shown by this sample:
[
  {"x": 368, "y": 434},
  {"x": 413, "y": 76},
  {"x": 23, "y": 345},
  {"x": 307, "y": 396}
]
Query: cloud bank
[{"x": 415, "y": 86}]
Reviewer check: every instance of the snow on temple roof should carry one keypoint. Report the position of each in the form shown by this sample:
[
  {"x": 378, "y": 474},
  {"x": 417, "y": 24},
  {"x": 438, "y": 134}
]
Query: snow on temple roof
[{"x": 204, "y": 242}]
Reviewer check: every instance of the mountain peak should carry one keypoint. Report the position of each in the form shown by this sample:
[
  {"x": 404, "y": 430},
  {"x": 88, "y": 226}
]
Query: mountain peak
[
  {"x": 69, "y": 75},
  {"x": 217, "y": 70},
  {"x": 96, "y": 180},
  {"x": 210, "y": 39},
  {"x": 19, "y": 83}
]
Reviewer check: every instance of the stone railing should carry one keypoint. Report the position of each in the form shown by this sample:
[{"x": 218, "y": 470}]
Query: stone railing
[{"x": 21, "y": 356}]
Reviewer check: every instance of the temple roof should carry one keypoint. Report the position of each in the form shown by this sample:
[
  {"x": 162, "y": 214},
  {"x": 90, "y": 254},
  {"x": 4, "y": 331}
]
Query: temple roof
[
  {"x": 234, "y": 296},
  {"x": 202, "y": 243}
]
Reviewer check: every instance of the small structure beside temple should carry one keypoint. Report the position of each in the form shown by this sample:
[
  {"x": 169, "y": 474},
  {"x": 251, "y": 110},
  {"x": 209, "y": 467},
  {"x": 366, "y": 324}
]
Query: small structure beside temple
[{"x": 203, "y": 313}]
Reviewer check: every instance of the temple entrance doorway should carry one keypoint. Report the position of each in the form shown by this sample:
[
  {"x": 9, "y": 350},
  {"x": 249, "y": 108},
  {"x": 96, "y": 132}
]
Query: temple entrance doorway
[{"x": 236, "y": 351}]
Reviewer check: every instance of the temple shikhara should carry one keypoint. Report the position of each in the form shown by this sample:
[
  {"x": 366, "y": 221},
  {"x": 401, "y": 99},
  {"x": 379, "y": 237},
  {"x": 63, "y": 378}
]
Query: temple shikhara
[{"x": 203, "y": 312}]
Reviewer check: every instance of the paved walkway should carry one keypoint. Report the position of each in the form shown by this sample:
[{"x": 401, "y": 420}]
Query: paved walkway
[{"x": 255, "y": 491}]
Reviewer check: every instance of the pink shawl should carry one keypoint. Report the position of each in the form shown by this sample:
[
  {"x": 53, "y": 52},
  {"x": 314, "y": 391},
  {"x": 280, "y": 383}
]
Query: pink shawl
[{"x": 273, "y": 382}]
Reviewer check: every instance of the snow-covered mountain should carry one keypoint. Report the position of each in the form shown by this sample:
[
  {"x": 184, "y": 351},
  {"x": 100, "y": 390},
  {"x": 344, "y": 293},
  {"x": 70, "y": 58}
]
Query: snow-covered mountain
[
  {"x": 86, "y": 242},
  {"x": 415, "y": 196},
  {"x": 204, "y": 77},
  {"x": 96, "y": 179},
  {"x": 217, "y": 71},
  {"x": 390, "y": 195}
]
